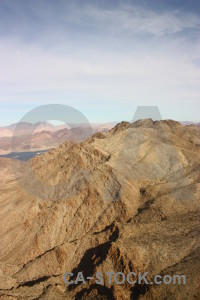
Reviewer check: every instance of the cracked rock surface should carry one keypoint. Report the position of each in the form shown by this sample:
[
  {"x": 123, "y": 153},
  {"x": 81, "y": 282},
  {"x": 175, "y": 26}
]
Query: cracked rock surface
[{"x": 124, "y": 201}]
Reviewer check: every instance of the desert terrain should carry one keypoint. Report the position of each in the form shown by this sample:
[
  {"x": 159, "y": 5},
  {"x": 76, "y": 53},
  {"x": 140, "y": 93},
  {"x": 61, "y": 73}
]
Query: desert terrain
[{"x": 124, "y": 200}]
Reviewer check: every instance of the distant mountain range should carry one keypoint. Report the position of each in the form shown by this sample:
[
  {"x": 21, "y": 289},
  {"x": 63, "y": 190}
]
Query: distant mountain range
[
  {"x": 190, "y": 123},
  {"x": 44, "y": 135}
]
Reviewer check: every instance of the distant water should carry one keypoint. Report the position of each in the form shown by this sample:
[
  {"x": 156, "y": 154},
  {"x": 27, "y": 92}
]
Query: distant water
[{"x": 23, "y": 155}]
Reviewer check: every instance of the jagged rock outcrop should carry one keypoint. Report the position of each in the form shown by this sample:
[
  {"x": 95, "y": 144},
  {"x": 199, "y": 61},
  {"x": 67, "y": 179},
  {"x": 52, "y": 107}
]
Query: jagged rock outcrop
[{"x": 123, "y": 201}]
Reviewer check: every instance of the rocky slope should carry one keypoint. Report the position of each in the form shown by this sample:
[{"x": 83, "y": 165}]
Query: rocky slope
[{"x": 123, "y": 201}]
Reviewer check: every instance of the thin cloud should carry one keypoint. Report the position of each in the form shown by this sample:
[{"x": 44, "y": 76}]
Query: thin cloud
[
  {"x": 101, "y": 56},
  {"x": 90, "y": 19},
  {"x": 137, "y": 20}
]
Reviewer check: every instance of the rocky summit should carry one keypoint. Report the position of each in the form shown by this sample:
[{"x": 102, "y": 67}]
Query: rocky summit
[{"x": 127, "y": 200}]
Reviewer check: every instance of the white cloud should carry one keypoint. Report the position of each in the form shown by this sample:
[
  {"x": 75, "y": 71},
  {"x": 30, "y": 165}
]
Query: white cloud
[
  {"x": 70, "y": 17},
  {"x": 111, "y": 64},
  {"x": 133, "y": 20},
  {"x": 33, "y": 69}
]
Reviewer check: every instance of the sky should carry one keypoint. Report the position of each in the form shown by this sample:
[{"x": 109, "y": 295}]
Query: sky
[{"x": 104, "y": 58}]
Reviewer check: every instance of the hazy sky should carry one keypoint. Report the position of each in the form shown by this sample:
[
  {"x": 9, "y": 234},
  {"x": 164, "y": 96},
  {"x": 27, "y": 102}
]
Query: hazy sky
[{"x": 104, "y": 58}]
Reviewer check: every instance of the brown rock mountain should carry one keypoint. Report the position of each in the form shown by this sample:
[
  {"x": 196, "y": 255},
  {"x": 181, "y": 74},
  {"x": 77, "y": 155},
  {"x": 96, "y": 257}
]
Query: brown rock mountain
[{"x": 127, "y": 200}]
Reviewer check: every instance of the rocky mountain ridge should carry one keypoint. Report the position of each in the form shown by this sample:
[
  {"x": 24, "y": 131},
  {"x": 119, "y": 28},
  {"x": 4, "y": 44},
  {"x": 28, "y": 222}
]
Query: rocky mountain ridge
[{"x": 126, "y": 200}]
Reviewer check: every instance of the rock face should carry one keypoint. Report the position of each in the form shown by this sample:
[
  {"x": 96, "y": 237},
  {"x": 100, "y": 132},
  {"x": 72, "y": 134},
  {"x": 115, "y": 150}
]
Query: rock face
[{"x": 122, "y": 201}]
